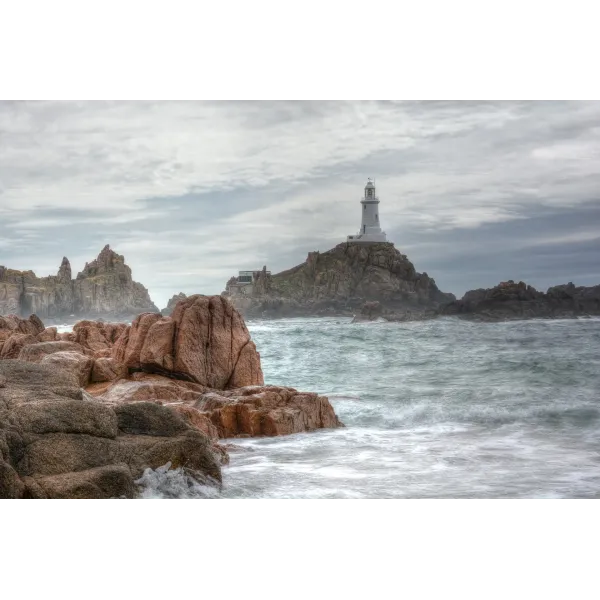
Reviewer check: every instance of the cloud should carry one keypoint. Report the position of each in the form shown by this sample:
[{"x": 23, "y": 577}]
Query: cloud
[{"x": 190, "y": 192}]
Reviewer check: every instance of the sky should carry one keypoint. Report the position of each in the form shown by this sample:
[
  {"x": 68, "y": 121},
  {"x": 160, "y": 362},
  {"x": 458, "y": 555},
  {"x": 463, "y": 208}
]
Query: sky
[{"x": 474, "y": 193}]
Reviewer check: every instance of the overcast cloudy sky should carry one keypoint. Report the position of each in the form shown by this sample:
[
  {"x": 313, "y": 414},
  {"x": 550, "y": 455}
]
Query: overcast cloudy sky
[{"x": 191, "y": 192}]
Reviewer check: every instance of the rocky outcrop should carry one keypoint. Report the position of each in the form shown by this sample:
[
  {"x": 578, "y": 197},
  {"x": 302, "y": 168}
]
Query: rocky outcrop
[
  {"x": 204, "y": 341},
  {"x": 104, "y": 288},
  {"x": 267, "y": 410},
  {"x": 23, "y": 293},
  {"x": 107, "y": 369},
  {"x": 172, "y": 303},
  {"x": 369, "y": 311},
  {"x": 76, "y": 364},
  {"x": 248, "y": 411},
  {"x": 340, "y": 281},
  {"x": 172, "y": 388},
  {"x": 97, "y": 336},
  {"x": 56, "y": 443},
  {"x": 509, "y": 300}
]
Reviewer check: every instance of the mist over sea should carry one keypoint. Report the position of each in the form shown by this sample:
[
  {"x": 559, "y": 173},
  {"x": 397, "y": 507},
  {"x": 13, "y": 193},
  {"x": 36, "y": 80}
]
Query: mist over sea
[{"x": 434, "y": 409}]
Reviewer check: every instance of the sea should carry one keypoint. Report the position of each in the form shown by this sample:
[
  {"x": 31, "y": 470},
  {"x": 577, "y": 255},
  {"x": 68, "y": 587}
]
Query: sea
[{"x": 433, "y": 409}]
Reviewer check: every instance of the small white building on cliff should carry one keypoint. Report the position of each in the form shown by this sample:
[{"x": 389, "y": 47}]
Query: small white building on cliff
[
  {"x": 244, "y": 283},
  {"x": 370, "y": 228}
]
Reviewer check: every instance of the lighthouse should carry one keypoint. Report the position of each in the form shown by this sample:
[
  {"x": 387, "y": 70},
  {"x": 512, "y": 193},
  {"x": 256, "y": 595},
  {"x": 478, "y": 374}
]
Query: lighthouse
[{"x": 370, "y": 229}]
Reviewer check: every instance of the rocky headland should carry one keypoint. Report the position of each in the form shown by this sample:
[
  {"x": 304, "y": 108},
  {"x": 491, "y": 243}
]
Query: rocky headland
[
  {"x": 84, "y": 414},
  {"x": 511, "y": 301},
  {"x": 370, "y": 282},
  {"x": 104, "y": 288},
  {"x": 339, "y": 282}
]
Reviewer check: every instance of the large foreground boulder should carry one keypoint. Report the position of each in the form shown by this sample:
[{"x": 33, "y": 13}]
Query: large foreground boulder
[
  {"x": 55, "y": 442},
  {"x": 205, "y": 341}
]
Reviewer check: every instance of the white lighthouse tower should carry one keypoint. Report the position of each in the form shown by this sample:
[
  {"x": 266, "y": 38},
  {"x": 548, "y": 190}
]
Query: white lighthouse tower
[{"x": 370, "y": 230}]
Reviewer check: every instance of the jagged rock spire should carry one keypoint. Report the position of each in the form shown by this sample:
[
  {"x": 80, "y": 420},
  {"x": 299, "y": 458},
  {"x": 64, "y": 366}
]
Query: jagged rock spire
[{"x": 64, "y": 271}]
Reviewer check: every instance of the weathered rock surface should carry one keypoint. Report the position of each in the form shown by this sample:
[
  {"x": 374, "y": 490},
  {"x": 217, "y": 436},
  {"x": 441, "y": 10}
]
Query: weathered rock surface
[
  {"x": 204, "y": 341},
  {"x": 48, "y": 335},
  {"x": 56, "y": 444},
  {"x": 247, "y": 411},
  {"x": 142, "y": 387},
  {"x": 11, "y": 348},
  {"x": 71, "y": 362},
  {"x": 509, "y": 300},
  {"x": 267, "y": 410},
  {"x": 36, "y": 352},
  {"x": 340, "y": 281},
  {"x": 172, "y": 303},
  {"x": 13, "y": 324},
  {"x": 104, "y": 287},
  {"x": 107, "y": 369},
  {"x": 97, "y": 336}
]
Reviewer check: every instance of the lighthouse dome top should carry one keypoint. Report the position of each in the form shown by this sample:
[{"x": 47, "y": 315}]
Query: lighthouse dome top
[{"x": 370, "y": 184}]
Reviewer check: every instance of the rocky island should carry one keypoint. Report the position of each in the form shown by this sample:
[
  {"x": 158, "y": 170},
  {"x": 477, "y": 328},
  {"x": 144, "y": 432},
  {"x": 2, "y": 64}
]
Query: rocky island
[
  {"x": 84, "y": 414},
  {"x": 510, "y": 301},
  {"x": 104, "y": 288},
  {"x": 339, "y": 282}
]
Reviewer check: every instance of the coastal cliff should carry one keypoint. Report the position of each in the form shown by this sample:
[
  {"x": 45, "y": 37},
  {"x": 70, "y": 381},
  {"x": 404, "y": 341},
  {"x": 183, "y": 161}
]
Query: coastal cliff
[
  {"x": 105, "y": 287},
  {"x": 340, "y": 281}
]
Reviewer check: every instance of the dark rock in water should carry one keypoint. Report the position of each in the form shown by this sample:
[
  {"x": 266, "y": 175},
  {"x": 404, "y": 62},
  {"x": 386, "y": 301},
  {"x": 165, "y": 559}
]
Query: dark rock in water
[
  {"x": 509, "y": 300},
  {"x": 370, "y": 311},
  {"x": 339, "y": 282}
]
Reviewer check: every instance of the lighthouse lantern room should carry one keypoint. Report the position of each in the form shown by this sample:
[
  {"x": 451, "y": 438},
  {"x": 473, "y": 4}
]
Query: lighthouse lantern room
[{"x": 370, "y": 229}]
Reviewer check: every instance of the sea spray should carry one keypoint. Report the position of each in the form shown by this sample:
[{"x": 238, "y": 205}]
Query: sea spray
[{"x": 165, "y": 482}]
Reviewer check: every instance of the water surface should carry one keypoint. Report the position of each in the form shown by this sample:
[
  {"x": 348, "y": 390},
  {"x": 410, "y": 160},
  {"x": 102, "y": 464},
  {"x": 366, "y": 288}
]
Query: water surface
[{"x": 434, "y": 409}]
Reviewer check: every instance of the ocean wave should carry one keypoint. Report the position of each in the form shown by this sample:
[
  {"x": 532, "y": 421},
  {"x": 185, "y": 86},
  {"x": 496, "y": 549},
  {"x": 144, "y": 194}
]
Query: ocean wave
[{"x": 165, "y": 482}]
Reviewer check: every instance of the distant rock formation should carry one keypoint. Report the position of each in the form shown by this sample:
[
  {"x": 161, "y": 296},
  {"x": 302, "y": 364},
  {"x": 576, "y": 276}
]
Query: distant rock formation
[
  {"x": 509, "y": 300},
  {"x": 340, "y": 281},
  {"x": 171, "y": 304},
  {"x": 104, "y": 288}
]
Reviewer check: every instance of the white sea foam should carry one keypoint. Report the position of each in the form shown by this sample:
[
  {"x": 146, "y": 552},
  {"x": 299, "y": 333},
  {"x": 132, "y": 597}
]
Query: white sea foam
[{"x": 165, "y": 482}]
